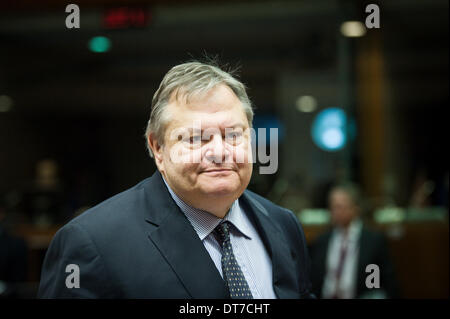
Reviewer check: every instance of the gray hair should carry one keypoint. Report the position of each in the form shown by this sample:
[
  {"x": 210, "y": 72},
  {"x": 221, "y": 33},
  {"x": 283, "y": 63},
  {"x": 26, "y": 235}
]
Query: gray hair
[{"x": 188, "y": 79}]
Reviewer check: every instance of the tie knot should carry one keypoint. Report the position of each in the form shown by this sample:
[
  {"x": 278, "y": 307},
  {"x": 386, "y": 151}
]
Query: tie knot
[{"x": 223, "y": 230}]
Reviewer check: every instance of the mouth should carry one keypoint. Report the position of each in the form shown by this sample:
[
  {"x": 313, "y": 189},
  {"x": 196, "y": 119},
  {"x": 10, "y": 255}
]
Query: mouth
[{"x": 218, "y": 171}]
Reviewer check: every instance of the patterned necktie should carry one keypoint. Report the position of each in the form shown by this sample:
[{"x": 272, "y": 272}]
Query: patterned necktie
[{"x": 232, "y": 273}]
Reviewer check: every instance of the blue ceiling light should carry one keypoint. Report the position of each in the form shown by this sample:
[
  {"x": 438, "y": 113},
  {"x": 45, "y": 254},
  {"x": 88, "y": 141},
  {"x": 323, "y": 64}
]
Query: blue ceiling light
[
  {"x": 329, "y": 129},
  {"x": 99, "y": 44}
]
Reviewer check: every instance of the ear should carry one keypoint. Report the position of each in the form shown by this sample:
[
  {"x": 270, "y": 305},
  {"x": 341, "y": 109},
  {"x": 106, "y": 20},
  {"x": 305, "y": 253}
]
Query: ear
[{"x": 157, "y": 150}]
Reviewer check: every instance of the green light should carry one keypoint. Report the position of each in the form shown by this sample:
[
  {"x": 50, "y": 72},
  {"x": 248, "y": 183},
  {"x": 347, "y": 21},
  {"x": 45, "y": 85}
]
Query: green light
[{"x": 99, "y": 44}]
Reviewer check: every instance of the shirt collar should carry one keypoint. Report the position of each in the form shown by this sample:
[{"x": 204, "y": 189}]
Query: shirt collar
[
  {"x": 204, "y": 223},
  {"x": 354, "y": 230}
]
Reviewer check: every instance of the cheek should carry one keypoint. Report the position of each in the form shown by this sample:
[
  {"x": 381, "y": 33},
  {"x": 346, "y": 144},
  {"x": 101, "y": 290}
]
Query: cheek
[
  {"x": 178, "y": 154},
  {"x": 180, "y": 165},
  {"x": 243, "y": 159},
  {"x": 241, "y": 154}
]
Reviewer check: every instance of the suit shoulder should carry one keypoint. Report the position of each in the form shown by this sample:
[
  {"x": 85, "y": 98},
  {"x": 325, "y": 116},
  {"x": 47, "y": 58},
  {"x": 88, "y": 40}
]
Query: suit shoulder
[
  {"x": 273, "y": 209},
  {"x": 267, "y": 203}
]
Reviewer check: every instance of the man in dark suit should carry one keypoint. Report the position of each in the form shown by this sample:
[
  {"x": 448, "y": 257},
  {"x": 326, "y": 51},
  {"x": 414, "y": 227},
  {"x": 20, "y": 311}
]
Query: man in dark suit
[
  {"x": 192, "y": 230},
  {"x": 340, "y": 256}
]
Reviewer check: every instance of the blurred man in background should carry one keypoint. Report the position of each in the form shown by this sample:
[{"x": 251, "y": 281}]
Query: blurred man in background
[
  {"x": 340, "y": 256},
  {"x": 44, "y": 198}
]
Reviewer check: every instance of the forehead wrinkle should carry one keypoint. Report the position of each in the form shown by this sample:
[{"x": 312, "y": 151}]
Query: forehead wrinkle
[
  {"x": 210, "y": 102},
  {"x": 221, "y": 123},
  {"x": 186, "y": 95},
  {"x": 204, "y": 108},
  {"x": 216, "y": 120}
]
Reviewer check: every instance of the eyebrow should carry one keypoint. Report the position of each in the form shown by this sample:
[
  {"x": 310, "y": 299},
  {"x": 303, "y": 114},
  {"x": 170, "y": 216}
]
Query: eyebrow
[
  {"x": 197, "y": 130},
  {"x": 236, "y": 125}
]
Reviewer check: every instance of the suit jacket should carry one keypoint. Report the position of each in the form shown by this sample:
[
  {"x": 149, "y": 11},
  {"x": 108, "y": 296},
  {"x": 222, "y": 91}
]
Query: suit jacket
[
  {"x": 139, "y": 244},
  {"x": 372, "y": 250}
]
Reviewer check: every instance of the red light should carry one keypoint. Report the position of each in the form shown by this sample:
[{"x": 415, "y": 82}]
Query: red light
[{"x": 126, "y": 17}]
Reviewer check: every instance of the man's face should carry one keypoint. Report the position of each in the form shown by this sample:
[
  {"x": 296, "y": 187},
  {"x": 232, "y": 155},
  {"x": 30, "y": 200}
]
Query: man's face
[
  {"x": 343, "y": 209},
  {"x": 206, "y": 154}
]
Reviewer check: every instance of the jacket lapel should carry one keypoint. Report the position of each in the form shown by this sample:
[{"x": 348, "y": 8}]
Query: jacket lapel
[
  {"x": 284, "y": 280},
  {"x": 173, "y": 235}
]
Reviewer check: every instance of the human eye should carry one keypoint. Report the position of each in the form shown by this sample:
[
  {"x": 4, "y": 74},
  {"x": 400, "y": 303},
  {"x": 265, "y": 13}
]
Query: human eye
[
  {"x": 194, "y": 139},
  {"x": 234, "y": 136}
]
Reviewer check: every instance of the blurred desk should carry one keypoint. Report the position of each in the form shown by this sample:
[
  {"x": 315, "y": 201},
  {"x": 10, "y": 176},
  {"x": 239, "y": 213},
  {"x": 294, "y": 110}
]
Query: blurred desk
[{"x": 420, "y": 252}]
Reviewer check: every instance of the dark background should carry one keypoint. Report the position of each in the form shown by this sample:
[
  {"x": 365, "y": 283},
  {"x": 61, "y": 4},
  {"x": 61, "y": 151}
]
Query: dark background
[{"x": 88, "y": 111}]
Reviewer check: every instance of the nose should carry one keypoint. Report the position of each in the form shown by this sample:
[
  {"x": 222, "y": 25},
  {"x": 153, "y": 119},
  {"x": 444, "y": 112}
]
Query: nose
[{"x": 216, "y": 151}]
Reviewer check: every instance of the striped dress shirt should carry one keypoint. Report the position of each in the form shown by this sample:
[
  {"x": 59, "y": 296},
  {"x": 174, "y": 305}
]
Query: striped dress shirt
[{"x": 248, "y": 247}]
